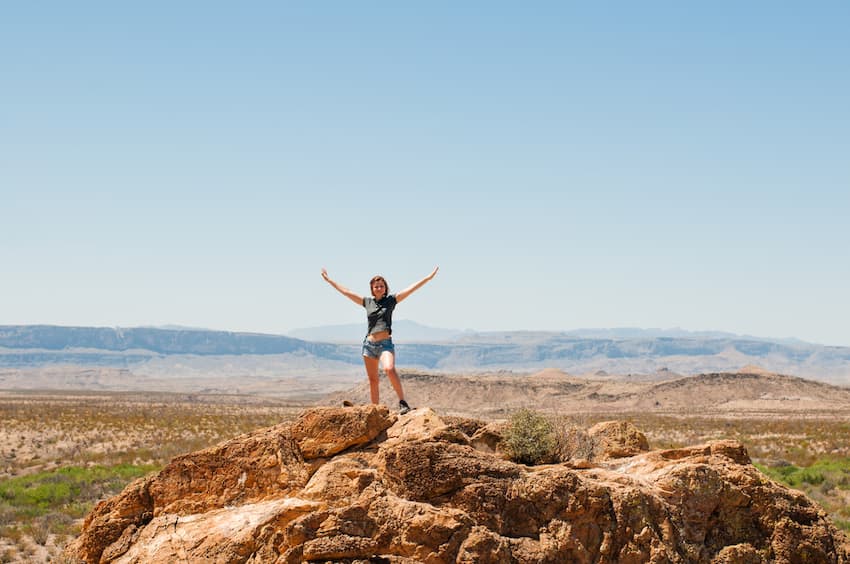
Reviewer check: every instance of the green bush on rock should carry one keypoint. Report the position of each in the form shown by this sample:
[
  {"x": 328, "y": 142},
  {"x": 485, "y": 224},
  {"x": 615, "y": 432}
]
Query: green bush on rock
[{"x": 529, "y": 438}]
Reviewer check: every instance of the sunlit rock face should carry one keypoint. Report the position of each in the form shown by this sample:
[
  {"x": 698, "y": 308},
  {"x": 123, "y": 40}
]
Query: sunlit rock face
[{"x": 356, "y": 484}]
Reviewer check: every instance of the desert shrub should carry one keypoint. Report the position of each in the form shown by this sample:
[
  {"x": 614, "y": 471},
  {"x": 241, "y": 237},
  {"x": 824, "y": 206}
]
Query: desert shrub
[
  {"x": 8, "y": 555},
  {"x": 786, "y": 470},
  {"x": 811, "y": 476},
  {"x": 572, "y": 442},
  {"x": 785, "y": 473},
  {"x": 825, "y": 470},
  {"x": 529, "y": 438},
  {"x": 38, "y": 532}
]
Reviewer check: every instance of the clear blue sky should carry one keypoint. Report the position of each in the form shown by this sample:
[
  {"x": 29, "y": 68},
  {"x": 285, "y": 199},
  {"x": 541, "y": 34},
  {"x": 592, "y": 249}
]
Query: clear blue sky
[{"x": 566, "y": 164}]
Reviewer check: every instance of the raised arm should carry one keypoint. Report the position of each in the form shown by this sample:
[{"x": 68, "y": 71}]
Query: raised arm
[
  {"x": 342, "y": 289},
  {"x": 413, "y": 287}
]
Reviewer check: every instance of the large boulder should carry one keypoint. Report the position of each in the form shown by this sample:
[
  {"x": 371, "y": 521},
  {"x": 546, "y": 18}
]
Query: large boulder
[{"x": 359, "y": 484}]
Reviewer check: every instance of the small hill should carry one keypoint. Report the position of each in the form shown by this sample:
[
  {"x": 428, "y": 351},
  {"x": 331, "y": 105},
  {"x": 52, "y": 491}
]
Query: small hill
[
  {"x": 363, "y": 485},
  {"x": 494, "y": 395},
  {"x": 748, "y": 391}
]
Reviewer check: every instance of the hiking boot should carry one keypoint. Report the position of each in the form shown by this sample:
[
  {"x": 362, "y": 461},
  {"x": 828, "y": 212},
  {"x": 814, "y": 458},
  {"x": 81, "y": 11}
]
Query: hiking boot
[{"x": 403, "y": 407}]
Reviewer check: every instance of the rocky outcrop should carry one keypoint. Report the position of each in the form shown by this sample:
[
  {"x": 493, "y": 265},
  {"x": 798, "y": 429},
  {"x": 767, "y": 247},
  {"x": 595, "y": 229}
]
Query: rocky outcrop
[
  {"x": 359, "y": 484},
  {"x": 617, "y": 439}
]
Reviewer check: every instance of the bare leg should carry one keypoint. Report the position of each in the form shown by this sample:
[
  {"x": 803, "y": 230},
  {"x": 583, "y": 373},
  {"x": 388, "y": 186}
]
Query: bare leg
[
  {"x": 388, "y": 360},
  {"x": 372, "y": 373}
]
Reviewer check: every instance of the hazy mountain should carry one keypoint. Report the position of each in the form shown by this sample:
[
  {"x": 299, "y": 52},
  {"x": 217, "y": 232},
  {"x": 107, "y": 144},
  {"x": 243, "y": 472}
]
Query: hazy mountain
[
  {"x": 412, "y": 332},
  {"x": 155, "y": 340},
  {"x": 408, "y": 331},
  {"x": 178, "y": 353},
  {"x": 675, "y": 332}
]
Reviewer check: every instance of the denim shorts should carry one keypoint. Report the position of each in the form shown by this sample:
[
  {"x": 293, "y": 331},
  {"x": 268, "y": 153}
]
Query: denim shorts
[{"x": 373, "y": 349}]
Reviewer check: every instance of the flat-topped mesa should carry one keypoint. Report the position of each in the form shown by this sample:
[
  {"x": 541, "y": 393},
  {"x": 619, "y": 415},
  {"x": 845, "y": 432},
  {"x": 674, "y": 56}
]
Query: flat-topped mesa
[{"x": 354, "y": 483}]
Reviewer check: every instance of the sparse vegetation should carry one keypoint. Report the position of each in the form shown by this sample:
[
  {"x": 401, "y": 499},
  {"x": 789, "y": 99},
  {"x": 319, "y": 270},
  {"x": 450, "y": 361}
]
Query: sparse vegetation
[
  {"x": 42, "y": 431},
  {"x": 38, "y": 494},
  {"x": 529, "y": 437},
  {"x": 47, "y": 505},
  {"x": 61, "y": 453},
  {"x": 827, "y": 481},
  {"x": 572, "y": 441}
]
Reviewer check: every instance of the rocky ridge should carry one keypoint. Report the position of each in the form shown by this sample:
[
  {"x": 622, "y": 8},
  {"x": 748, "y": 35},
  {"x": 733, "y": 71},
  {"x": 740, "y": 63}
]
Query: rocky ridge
[{"x": 360, "y": 484}]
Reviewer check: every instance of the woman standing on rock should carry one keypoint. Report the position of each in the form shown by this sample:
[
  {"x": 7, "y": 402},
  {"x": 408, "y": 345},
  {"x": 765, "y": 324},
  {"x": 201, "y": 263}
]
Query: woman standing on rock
[{"x": 378, "y": 348}]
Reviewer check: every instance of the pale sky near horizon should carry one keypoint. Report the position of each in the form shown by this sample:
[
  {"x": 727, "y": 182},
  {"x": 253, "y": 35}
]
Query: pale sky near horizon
[{"x": 566, "y": 164}]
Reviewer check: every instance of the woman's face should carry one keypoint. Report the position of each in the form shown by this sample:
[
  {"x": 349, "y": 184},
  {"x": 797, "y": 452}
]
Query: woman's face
[{"x": 379, "y": 288}]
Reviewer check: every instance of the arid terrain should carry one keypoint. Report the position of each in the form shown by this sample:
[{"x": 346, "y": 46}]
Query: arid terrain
[
  {"x": 60, "y": 452},
  {"x": 786, "y": 424},
  {"x": 747, "y": 392}
]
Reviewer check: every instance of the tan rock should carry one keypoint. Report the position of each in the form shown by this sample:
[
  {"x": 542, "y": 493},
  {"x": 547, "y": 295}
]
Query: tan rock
[
  {"x": 419, "y": 424},
  {"x": 466, "y": 425},
  {"x": 487, "y": 438},
  {"x": 738, "y": 554},
  {"x": 342, "y": 478},
  {"x": 118, "y": 518},
  {"x": 219, "y": 535},
  {"x": 416, "y": 490},
  {"x": 483, "y": 546},
  {"x": 326, "y": 431},
  {"x": 617, "y": 439},
  {"x": 422, "y": 470},
  {"x": 256, "y": 465}
]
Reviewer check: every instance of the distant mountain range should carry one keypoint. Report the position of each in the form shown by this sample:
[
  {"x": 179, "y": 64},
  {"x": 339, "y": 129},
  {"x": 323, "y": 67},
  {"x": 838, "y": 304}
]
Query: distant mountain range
[
  {"x": 177, "y": 352},
  {"x": 354, "y": 332},
  {"x": 416, "y": 333}
]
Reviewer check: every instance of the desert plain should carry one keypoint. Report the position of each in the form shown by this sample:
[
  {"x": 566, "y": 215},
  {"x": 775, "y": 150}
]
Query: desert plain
[{"x": 61, "y": 451}]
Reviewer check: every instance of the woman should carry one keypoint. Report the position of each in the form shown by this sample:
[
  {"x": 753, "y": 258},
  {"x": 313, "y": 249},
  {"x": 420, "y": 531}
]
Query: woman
[{"x": 378, "y": 346}]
